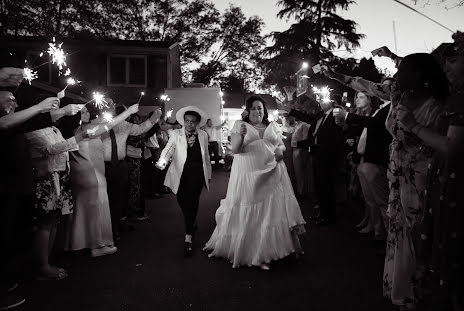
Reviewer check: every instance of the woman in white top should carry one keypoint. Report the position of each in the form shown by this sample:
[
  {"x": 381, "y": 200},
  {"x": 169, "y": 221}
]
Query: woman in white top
[{"x": 260, "y": 219}]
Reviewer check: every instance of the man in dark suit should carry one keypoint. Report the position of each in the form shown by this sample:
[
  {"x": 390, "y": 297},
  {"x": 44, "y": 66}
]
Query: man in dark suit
[
  {"x": 326, "y": 146},
  {"x": 373, "y": 148}
]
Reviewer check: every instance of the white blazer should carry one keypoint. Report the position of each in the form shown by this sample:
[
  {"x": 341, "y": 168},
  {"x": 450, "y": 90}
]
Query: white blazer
[{"x": 177, "y": 149}]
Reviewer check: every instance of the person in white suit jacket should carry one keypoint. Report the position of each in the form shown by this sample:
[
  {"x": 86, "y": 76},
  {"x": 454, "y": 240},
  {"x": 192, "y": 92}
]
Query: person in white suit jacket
[{"x": 190, "y": 169}]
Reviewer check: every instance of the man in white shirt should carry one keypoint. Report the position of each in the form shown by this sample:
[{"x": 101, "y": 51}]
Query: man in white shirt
[{"x": 213, "y": 141}]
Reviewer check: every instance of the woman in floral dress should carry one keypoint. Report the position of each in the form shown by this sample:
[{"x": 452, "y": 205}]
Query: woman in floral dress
[
  {"x": 50, "y": 160},
  {"x": 421, "y": 87},
  {"x": 441, "y": 250},
  {"x": 136, "y": 204}
]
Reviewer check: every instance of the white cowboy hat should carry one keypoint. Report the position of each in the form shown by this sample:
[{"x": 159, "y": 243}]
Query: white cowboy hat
[{"x": 180, "y": 115}]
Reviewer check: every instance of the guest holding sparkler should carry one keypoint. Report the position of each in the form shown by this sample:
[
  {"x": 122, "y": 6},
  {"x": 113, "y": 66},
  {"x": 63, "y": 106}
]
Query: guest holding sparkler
[
  {"x": 90, "y": 224},
  {"x": 135, "y": 151},
  {"x": 326, "y": 147},
  {"x": 16, "y": 189},
  {"x": 50, "y": 160},
  {"x": 421, "y": 86},
  {"x": 116, "y": 170}
]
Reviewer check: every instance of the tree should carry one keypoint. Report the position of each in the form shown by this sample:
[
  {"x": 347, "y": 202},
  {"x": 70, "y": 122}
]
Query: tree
[
  {"x": 46, "y": 17},
  {"x": 237, "y": 49},
  {"x": 191, "y": 23},
  {"x": 317, "y": 31}
]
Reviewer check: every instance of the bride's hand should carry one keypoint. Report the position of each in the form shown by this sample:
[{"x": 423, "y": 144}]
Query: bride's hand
[{"x": 243, "y": 130}]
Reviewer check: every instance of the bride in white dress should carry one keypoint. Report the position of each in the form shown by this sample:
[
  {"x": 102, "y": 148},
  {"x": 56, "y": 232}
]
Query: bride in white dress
[{"x": 259, "y": 220}]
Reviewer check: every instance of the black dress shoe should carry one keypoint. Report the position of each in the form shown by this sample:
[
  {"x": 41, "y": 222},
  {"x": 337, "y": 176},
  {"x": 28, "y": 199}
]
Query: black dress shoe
[{"x": 188, "y": 249}]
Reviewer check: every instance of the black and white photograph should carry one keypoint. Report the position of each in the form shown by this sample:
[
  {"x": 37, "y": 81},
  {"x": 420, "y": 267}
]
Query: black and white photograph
[{"x": 226, "y": 155}]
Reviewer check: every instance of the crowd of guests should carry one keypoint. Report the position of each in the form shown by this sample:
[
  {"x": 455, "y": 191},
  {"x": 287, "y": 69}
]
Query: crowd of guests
[
  {"x": 399, "y": 149},
  {"x": 72, "y": 173}
]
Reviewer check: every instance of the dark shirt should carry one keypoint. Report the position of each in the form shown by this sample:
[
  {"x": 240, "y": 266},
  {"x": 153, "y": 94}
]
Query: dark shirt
[{"x": 194, "y": 162}]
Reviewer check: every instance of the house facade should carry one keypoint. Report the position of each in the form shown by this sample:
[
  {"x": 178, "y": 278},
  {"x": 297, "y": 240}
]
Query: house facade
[{"x": 119, "y": 69}]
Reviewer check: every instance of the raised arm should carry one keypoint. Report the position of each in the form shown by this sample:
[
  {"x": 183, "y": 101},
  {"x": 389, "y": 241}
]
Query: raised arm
[
  {"x": 103, "y": 128},
  {"x": 14, "y": 119},
  {"x": 380, "y": 90},
  {"x": 68, "y": 110},
  {"x": 238, "y": 135},
  {"x": 138, "y": 129},
  {"x": 449, "y": 145}
]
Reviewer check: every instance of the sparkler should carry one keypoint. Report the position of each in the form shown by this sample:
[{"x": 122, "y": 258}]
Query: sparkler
[
  {"x": 30, "y": 75},
  {"x": 322, "y": 94},
  {"x": 107, "y": 116},
  {"x": 99, "y": 99},
  {"x": 169, "y": 113},
  {"x": 161, "y": 163},
  {"x": 165, "y": 97},
  {"x": 57, "y": 53},
  {"x": 141, "y": 95},
  {"x": 70, "y": 81}
]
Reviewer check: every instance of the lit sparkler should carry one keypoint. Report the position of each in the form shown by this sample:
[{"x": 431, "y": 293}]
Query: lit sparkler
[
  {"x": 69, "y": 81},
  {"x": 57, "y": 53},
  {"x": 169, "y": 113},
  {"x": 165, "y": 97},
  {"x": 322, "y": 94},
  {"x": 107, "y": 116},
  {"x": 30, "y": 75},
  {"x": 99, "y": 99},
  {"x": 141, "y": 95}
]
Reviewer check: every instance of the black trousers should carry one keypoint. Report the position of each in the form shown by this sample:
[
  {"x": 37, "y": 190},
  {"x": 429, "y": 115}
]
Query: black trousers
[
  {"x": 117, "y": 180},
  {"x": 213, "y": 148},
  {"x": 188, "y": 197},
  {"x": 325, "y": 174}
]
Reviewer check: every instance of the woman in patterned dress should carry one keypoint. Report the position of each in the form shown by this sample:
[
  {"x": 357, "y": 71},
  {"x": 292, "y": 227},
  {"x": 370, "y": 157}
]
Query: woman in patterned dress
[
  {"x": 50, "y": 160},
  {"x": 134, "y": 161},
  {"x": 421, "y": 87},
  {"x": 441, "y": 251}
]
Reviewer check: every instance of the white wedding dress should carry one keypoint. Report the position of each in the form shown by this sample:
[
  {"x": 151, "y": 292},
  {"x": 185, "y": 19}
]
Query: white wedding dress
[{"x": 260, "y": 219}]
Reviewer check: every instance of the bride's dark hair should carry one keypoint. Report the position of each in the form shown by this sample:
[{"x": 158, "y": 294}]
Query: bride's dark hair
[{"x": 249, "y": 104}]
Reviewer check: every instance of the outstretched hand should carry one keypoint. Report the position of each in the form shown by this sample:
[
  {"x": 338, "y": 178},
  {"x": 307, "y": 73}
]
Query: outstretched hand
[
  {"x": 382, "y": 51},
  {"x": 48, "y": 104},
  {"x": 328, "y": 72},
  {"x": 10, "y": 76}
]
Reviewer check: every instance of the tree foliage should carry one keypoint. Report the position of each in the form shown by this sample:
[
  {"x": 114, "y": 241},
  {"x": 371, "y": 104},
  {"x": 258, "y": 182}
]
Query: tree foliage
[
  {"x": 238, "y": 47},
  {"x": 317, "y": 30}
]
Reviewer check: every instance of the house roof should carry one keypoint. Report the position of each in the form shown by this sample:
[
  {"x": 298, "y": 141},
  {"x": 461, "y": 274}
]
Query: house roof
[{"x": 237, "y": 99}]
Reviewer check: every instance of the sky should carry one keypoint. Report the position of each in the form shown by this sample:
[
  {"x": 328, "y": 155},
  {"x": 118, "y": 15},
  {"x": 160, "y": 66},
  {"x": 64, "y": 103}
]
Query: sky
[{"x": 375, "y": 18}]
